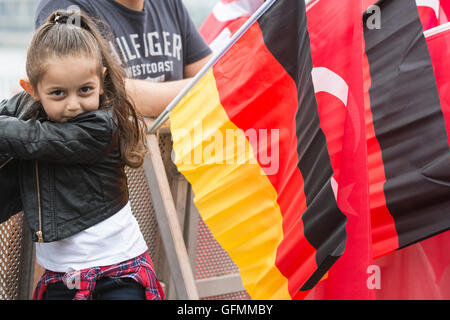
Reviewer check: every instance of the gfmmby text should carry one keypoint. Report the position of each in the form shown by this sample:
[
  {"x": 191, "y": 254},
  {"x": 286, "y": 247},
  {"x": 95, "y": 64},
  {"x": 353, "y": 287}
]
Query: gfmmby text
[{"x": 226, "y": 309}]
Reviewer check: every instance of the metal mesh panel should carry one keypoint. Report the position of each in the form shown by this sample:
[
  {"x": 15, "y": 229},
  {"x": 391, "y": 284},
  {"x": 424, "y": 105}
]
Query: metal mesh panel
[
  {"x": 11, "y": 244},
  {"x": 241, "y": 295},
  {"x": 213, "y": 261},
  {"x": 141, "y": 205}
]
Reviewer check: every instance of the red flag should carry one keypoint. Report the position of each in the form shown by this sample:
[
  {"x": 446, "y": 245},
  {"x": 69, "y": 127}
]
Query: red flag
[
  {"x": 225, "y": 19},
  {"x": 433, "y": 13},
  {"x": 336, "y": 46}
]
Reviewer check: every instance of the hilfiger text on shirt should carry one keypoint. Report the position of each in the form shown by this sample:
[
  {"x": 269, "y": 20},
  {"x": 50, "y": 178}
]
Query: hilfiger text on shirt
[{"x": 152, "y": 44}]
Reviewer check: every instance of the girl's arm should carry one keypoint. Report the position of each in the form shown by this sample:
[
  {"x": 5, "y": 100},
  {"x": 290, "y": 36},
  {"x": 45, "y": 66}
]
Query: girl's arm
[
  {"x": 10, "y": 201},
  {"x": 9, "y": 108},
  {"x": 13, "y": 106},
  {"x": 84, "y": 139}
]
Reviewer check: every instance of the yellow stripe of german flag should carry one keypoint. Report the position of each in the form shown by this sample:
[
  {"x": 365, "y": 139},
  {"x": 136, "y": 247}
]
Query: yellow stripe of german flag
[{"x": 235, "y": 198}]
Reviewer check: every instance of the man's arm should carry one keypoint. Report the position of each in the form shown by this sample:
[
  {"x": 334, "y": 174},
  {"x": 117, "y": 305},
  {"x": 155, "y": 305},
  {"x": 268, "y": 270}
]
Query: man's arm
[
  {"x": 151, "y": 98},
  {"x": 192, "y": 69}
]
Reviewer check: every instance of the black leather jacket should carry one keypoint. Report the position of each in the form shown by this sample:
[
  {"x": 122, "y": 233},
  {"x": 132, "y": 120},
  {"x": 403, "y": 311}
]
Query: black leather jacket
[{"x": 65, "y": 176}]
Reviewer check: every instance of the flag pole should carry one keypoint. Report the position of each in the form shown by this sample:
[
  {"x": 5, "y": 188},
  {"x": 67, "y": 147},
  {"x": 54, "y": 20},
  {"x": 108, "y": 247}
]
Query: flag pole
[{"x": 165, "y": 114}]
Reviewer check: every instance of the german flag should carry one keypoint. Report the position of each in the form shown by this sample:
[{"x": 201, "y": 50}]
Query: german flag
[
  {"x": 248, "y": 138},
  {"x": 407, "y": 121}
]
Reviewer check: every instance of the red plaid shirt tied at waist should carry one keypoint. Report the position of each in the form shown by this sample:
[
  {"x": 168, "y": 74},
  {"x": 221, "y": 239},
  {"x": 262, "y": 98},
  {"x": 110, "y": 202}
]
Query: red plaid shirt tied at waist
[{"x": 139, "y": 269}]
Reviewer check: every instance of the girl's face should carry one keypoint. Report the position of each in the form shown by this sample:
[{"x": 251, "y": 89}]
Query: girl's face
[{"x": 70, "y": 86}]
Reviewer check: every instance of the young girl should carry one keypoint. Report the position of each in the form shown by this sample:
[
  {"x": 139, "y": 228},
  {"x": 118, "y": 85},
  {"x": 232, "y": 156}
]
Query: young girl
[{"x": 63, "y": 146}]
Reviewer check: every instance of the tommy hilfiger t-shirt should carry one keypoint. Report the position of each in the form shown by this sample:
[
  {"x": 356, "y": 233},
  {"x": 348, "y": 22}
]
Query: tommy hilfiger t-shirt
[{"x": 154, "y": 44}]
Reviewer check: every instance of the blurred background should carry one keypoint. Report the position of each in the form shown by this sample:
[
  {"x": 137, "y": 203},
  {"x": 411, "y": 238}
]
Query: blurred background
[{"x": 16, "y": 29}]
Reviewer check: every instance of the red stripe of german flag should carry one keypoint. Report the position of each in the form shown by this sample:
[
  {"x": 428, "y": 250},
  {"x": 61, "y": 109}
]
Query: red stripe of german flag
[{"x": 282, "y": 227}]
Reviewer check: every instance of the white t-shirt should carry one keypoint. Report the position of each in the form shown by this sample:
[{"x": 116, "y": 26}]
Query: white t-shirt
[{"x": 111, "y": 241}]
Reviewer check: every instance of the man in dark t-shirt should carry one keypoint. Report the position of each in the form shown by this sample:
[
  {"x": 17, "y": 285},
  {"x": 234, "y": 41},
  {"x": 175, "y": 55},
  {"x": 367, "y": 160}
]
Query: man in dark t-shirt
[{"x": 155, "y": 39}]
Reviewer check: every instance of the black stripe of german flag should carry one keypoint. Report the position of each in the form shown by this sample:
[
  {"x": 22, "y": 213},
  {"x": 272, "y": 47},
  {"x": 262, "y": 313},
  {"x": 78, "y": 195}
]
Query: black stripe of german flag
[
  {"x": 324, "y": 223},
  {"x": 409, "y": 123}
]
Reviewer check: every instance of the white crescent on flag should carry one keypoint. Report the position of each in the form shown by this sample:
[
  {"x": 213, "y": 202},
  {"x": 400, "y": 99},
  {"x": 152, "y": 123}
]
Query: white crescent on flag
[{"x": 325, "y": 80}]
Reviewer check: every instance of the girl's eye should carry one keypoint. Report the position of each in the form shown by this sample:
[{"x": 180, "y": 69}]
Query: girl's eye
[
  {"x": 57, "y": 93},
  {"x": 85, "y": 90}
]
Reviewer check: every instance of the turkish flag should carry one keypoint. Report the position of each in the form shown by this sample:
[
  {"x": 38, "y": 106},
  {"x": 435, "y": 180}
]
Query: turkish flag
[{"x": 337, "y": 47}]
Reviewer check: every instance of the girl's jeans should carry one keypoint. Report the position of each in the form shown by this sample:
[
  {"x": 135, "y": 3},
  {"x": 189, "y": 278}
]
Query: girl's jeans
[{"x": 105, "y": 289}]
